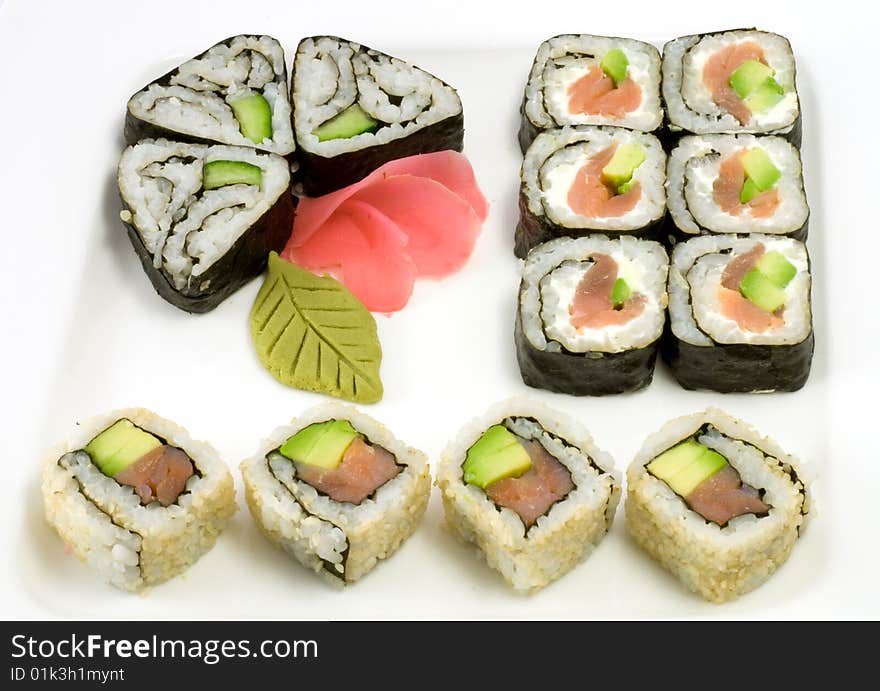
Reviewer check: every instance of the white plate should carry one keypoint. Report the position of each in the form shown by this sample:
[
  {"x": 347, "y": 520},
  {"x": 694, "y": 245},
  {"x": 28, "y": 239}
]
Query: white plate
[{"x": 85, "y": 332}]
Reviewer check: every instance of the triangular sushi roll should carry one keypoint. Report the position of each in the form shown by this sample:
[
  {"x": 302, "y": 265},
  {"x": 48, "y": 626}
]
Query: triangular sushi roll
[
  {"x": 355, "y": 108},
  {"x": 233, "y": 93},
  {"x": 203, "y": 219}
]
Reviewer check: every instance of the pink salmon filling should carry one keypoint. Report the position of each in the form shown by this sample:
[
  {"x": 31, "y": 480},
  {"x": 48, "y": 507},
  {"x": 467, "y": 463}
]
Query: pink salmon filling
[
  {"x": 734, "y": 306},
  {"x": 533, "y": 493},
  {"x": 159, "y": 475},
  {"x": 592, "y": 307},
  {"x": 364, "y": 469}
]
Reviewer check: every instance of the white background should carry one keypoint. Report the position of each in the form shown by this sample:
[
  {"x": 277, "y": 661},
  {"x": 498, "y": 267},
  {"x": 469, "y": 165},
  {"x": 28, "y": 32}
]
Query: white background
[{"x": 84, "y": 332}]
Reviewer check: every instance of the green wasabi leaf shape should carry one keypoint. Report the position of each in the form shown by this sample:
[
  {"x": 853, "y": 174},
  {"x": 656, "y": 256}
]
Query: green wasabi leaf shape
[{"x": 311, "y": 333}]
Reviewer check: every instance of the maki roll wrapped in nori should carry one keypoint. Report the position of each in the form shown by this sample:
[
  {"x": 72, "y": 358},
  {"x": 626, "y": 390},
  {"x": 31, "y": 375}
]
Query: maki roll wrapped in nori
[
  {"x": 203, "y": 219},
  {"x": 355, "y": 108},
  {"x": 716, "y": 503},
  {"x": 725, "y": 183},
  {"x": 233, "y": 93},
  {"x": 581, "y": 79},
  {"x": 336, "y": 491},
  {"x": 590, "y": 314},
  {"x": 580, "y": 180},
  {"x": 730, "y": 82},
  {"x": 528, "y": 486},
  {"x": 135, "y": 498},
  {"x": 740, "y": 318}
]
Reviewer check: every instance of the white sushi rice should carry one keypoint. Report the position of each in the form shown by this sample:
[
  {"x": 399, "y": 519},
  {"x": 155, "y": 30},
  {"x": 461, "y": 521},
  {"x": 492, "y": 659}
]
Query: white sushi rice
[
  {"x": 339, "y": 540},
  {"x": 555, "y": 157},
  {"x": 184, "y": 227},
  {"x": 195, "y": 101},
  {"x": 563, "y": 60},
  {"x": 695, "y": 277},
  {"x": 720, "y": 563},
  {"x": 550, "y": 278},
  {"x": 530, "y": 559},
  {"x": 694, "y": 167},
  {"x": 689, "y": 101},
  {"x": 330, "y": 75},
  {"x": 104, "y": 523}
]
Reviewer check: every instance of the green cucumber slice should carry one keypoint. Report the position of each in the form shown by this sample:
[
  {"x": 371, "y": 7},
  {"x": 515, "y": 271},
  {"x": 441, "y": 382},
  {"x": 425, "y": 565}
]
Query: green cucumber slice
[
  {"x": 221, "y": 173},
  {"x": 254, "y": 117}
]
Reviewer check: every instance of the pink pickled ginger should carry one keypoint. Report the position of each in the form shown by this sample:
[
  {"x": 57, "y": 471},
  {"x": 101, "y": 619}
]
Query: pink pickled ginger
[{"x": 415, "y": 216}]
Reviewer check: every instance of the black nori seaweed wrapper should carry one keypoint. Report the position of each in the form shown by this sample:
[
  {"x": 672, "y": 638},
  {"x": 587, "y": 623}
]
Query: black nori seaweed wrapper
[
  {"x": 321, "y": 174},
  {"x": 324, "y": 174},
  {"x": 579, "y": 374},
  {"x": 532, "y": 230},
  {"x": 245, "y": 260},
  {"x": 527, "y": 130},
  {"x": 672, "y": 133},
  {"x": 738, "y": 367},
  {"x": 136, "y": 129}
]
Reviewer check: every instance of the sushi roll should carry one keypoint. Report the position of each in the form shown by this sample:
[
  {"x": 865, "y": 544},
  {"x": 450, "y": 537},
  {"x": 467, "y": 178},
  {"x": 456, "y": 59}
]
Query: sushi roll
[
  {"x": 731, "y": 82},
  {"x": 590, "y": 314},
  {"x": 581, "y": 180},
  {"x": 739, "y": 314},
  {"x": 717, "y": 504},
  {"x": 233, "y": 93},
  {"x": 580, "y": 79},
  {"x": 203, "y": 219},
  {"x": 135, "y": 498},
  {"x": 530, "y": 489},
  {"x": 727, "y": 183},
  {"x": 336, "y": 491},
  {"x": 355, "y": 108}
]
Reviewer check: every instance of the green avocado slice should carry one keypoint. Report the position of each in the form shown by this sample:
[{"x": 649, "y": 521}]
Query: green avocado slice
[
  {"x": 626, "y": 187},
  {"x": 623, "y": 164},
  {"x": 678, "y": 457},
  {"x": 749, "y": 191},
  {"x": 254, "y": 117},
  {"x": 221, "y": 173},
  {"x": 761, "y": 291},
  {"x": 615, "y": 63},
  {"x": 686, "y": 465},
  {"x": 777, "y": 268},
  {"x": 760, "y": 169},
  {"x": 119, "y": 446},
  {"x": 496, "y": 455},
  {"x": 620, "y": 293},
  {"x": 321, "y": 444},
  {"x": 749, "y": 76},
  {"x": 350, "y": 122},
  {"x": 765, "y": 96},
  {"x": 705, "y": 466}
]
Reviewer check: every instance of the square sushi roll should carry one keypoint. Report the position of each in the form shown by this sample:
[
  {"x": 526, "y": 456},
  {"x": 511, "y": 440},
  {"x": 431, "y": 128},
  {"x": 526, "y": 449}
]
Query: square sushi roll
[
  {"x": 203, "y": 218},
  {"x": 716, "y": 503},
  {"x": 740, "y": 318},
  {"x": 590, "y": 314},
  {"x": 582, "y": 79},
  {"x": 530, "y": 489},
  {"x": 730, "y": 82},
  {"x": 580, "y": 180},
  {"x": 233, "y": 93},
  {"x": 725, "y": 183},
  {"x": 135, "y": 498},
  {"x": 355, "y": 108},
  {"x": 336, "y": 491}
]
